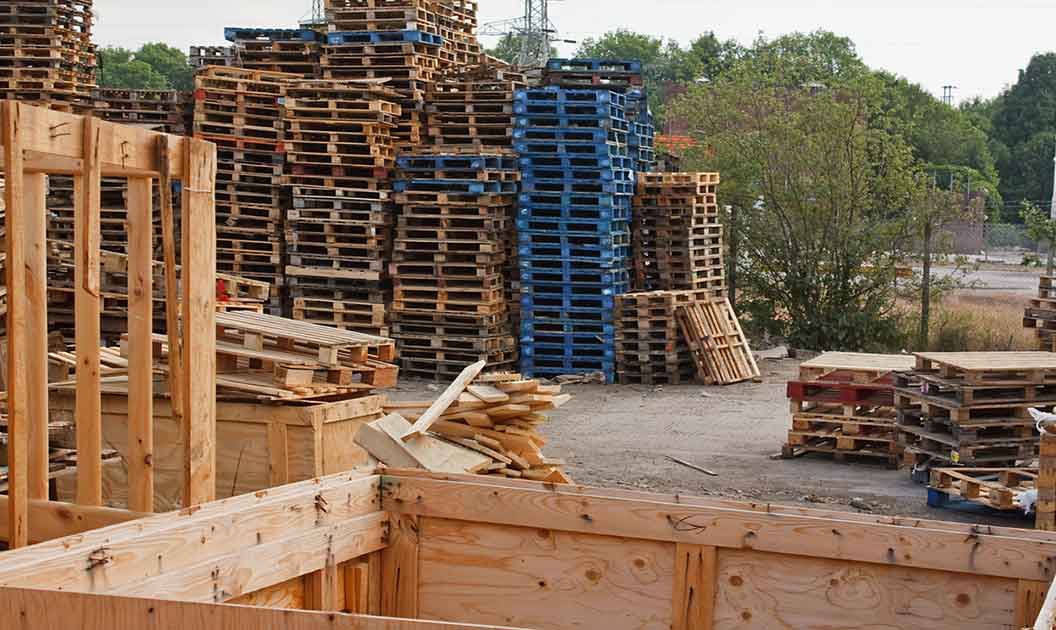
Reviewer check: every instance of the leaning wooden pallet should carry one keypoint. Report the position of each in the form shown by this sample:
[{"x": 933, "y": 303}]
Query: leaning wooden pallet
[
  {"x": 717, "y": 342},
  {"x": 650, "y": 347}
]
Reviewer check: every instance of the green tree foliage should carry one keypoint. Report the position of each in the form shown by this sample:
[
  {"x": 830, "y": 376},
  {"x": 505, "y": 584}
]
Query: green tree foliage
[
  {"x": 824, "y": 189},
  {"x": 1024, "y": 132},
  {"x": 509, "y": 46},
  {"x": 1040, "y": 227},
  {"x": 152, "y": 67}
]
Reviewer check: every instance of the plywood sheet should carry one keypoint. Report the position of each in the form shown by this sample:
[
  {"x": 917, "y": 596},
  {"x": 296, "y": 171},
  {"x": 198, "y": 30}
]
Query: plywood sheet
[
  {"x": 862, "y": 361},
  {"x": 492, "y": 574},
  {"x": 765, "y": 591}
]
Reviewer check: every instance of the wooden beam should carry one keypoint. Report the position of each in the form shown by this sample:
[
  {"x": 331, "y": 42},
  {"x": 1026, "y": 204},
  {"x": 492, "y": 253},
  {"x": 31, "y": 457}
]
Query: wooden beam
[
  {"x": 140, "y": 456},
  {"x": 399, "y": 568},
  {"x": 1046, "y": 619},
  {"x": 696, "y": 569},
  {"x": 56, "y": 610},
  {"x": 254, "y": 567},
  {"x": 88, "y": 305},
  {"x": 322, "y": 589},
  {"x": 172, "y": 542},
  {"x": 440, "y": 405},
  {"x": 172, "y": 293},
  {"x": 199, "y": 321},
  {"x": 17, "y": 344},
  {"x": 53, "y": 519},
  {"x": 1030, "y": 597},
  {"x": 357, "y": 586},
  {"x": 35, "y": 217},
  {"x": 1046, "y": 484},
  {"x": 703, "y": 524}
]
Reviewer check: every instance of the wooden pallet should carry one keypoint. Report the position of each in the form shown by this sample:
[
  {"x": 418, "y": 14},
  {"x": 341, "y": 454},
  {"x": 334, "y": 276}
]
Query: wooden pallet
[
  {"x": 995, "y": 488},
  {"x": 717, "y": 342},
  {"x": 650, "y": 348},
  {"x": 864, "y": 367}
]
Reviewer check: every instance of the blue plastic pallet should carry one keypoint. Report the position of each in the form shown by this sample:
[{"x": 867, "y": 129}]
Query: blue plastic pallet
[
  {"x": 569, "y": 303},
  {"x": 600, "y": 278},
  {"x": 427, "y": 163},
  {"x": 628, "y": 66},
  {"x": 590, "y": 316},
  {"x": 537, "y": 124},
  {"x": 555, "y": 94},
  {"x": 548, "y": 149},
  {"x": 607, "y": 174},
  {"x": 529, "y": 186},
  {"x": 561, "y": 134},
  {"x": 530, "y": 328},
  {"x": 598, "y": 241},
  {"x": 530, "y": 226},
  {"x": 233, "y": 33},
  {"x": 569, "y": 253},
  {"x": 382, "y": 37},
  {"x": 455, "y": 186},
  {"x": 620, "y": 210},
  {"x": 547, "y": 109},
  {"x": 558, "y": 351},
  {"x": 574, "y": 162}
]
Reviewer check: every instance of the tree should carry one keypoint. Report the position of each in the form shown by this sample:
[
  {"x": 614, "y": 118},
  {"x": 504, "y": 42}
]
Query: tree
[
  {"x": 152, "y": 67},
  {"x": 1041, "y": 228},
  {"x": 824, "y": 191},
  {"x": 714, "y": 57},
  {"x": 508, "y": 48}
]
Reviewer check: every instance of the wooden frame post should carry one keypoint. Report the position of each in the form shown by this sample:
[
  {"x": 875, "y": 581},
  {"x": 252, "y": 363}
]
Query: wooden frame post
[
  {"x": 140, "y": 346},
  {"x": 199, "y": 323},
  {"x": 35, "y": 193}
]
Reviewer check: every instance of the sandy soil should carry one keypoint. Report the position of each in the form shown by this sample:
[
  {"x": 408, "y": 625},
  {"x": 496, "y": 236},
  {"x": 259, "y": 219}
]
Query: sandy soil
[{"x": 618, "y": 436}]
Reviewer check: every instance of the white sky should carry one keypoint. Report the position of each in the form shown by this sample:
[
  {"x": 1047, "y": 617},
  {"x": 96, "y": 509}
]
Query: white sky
[{"x": 977, "y": 45}]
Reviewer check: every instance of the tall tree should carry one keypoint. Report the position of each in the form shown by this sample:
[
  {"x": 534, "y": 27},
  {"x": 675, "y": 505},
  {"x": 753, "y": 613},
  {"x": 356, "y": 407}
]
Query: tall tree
[
  {"x": 153, "y": 67},
  {"x": 169, "y": 62}
]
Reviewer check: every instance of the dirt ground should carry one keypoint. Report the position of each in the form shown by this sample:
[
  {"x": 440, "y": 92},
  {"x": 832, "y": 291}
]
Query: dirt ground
[{"x": 618, "y": 435}]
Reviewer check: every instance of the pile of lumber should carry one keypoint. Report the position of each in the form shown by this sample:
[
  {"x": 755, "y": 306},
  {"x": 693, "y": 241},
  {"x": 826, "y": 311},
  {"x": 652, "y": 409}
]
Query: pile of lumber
[
  {"x": 239, "y": 110},
  {"x": 450, "y": 264},
  {"x": 486, "y": 424},
  {"x": 677, "y": 233},
  {"x": 972, "y": 408},
  {"x": 1040, "y": 316},
  {"x": 291, "y": 50},
  {"x": 650, "y": 347},
  {"x": 843, "y": 407},
  {"x": 48, "y": 54},
  {"x": 339, "y": 152}
]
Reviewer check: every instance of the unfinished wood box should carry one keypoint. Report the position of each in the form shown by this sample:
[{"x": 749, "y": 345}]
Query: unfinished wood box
[{"x": 258, "y": 445}]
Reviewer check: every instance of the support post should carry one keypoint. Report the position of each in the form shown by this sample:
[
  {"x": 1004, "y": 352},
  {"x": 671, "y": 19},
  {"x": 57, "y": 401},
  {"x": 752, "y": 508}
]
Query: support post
[
  {"x": 695, "y": 574},
  {"x": 35, "y": 193},
  {"x": 140, "y": 459},
  {"x": 17, "y": 346},
  {"x": 172, "y": 294},
  {"x": 399, "y": 569}
]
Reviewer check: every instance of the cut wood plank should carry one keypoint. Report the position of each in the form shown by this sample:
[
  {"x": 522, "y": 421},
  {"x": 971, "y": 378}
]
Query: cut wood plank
[
  {"x": 35, "y": 193},
  {"x": 140, "y": 455},
  {"x": 382, "y": 439},
  {"x": 450, "y": 395},
  {"x": 488, "y": 394}
]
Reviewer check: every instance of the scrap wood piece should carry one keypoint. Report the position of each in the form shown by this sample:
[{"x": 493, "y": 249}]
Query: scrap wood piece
[
  {"x": 691, "y": 465},
  {"x": 382, "y": 439},
  {"x": 717, "y": 342},
  {"x": 450, "y": 395},
  {"x": 488, "y": 394}
]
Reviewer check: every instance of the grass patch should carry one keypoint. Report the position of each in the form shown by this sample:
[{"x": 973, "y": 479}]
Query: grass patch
[{"x": 972, "y": 321}]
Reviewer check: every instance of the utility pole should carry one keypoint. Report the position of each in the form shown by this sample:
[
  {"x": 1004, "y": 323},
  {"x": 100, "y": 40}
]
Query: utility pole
[
  {"x": 533, "y": 30},
  {"x": 947, "y": 94}
]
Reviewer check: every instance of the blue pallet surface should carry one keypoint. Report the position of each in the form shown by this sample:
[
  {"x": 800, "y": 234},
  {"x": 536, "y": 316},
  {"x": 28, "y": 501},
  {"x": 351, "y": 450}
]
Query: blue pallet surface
[
  {"x": 612, "y": 256},
  {"x": 548, "y": 149},
  {"x": 606, "y": 174},
  {"x": 233, "y": 33},
  {"x": 580, "y": 351},
  {"x": 555, "y": 94},
  {"x": 537, "y": 124},
  {"x": 628, "y": 66},
  {"x": 428, "y": 163},
  {"x": 531, "y": 327},
  {"x": 530, "y": 186},
  {"x": 573, "y": 200},
  {"x": 547, "y": 109},
  {"x": 380, "y": 37},
  {"x": 543, "y": 276},
  {"x": 561, "y": 134},
  {"x": 574, "y": 162},
  {"x": 458, "y": 186},
  {"x": 584, "y": 228},
  {"x": 569, "y": 303},
  {"x": 587, "y": 316},
  {"x": 603, "y": 241}
]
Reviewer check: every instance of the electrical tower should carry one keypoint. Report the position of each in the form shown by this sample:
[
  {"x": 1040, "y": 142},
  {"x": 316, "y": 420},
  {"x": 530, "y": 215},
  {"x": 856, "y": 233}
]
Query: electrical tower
[
  {"x": 947, "y": 94},
  {"x": 533, "y": 30},
  {"x": 316, "y": 16}
]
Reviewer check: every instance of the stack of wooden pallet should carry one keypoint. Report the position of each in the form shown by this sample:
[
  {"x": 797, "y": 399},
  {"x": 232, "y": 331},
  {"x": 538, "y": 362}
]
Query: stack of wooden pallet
[
  {"x": 650, "y": 347},
  {"x": 1040, "y": 316},
  {"x": 842, "y": 406},
  {"x": 473, "y": 106},
  {"x": 160, "y": 110},
  {"x": 971, "y": 408},
  {"x": 453, "y": 234},
  {"x": 393, "y": 41},
  {"x": 47, "y": 53},
  {"x": 339, "y": 153},
  {"x": 294, "y": 51},
  {"x": 239, "y": 110},
  {"x": 202, "y": 56},
  {"x": 495, "y": 420},
  {"x": 677, "y": 232}
]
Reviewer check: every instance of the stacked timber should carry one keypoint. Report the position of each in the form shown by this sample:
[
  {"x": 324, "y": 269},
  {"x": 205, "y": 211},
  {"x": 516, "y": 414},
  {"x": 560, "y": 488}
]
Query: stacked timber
[
  {"x": 453, "y": 236},
  {"x": 573, "y": 228},
  {"x": 160, "y": 110},
  {"x": 46, "y": 53},
  {"x": 339, "y": 152},
  {"x": 650, "y": 347},
  {"x": 1040, "y": 316},
  {"x": 609, "y": 74},
  {"x": 972, "y": 408},
  {"x": 293, "y": 51},
  {"x": 239, "y": 110},
  {"x": 497, "y": 416},
  {"x": 473, "y": 106},
  {"x": 843, "y": 407},
  {"x": 202, "y": 56},
  {"x": 677, "y": 233}
]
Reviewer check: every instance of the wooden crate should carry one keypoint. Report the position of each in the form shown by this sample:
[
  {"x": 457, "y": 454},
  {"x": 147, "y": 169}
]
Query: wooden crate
[{"x": 257, "y": 445}]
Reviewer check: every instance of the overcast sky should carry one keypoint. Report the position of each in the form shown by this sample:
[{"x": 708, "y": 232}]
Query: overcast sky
[{"x": 977, "y": 45}]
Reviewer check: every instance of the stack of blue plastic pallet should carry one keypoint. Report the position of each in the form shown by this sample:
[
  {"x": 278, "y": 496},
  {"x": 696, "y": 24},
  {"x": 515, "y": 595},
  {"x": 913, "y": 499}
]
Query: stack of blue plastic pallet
[
  {"x": 642, "y": 130},
  {"x": 573, "y": 226}
]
